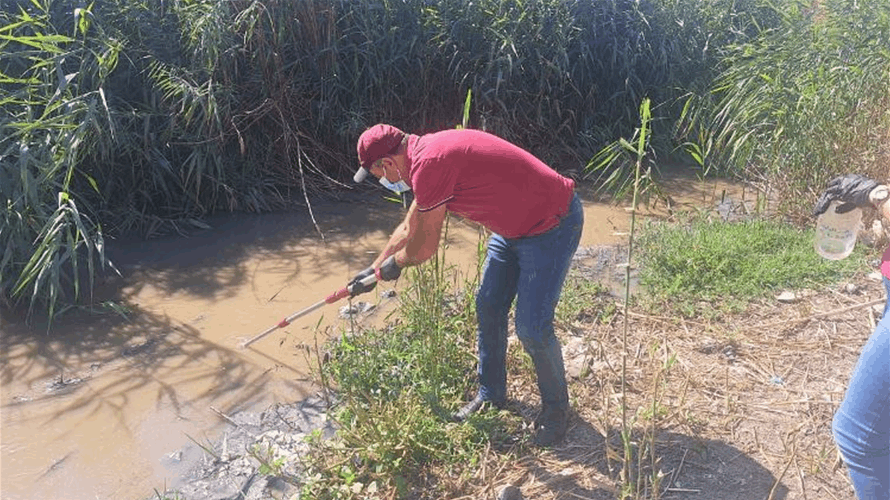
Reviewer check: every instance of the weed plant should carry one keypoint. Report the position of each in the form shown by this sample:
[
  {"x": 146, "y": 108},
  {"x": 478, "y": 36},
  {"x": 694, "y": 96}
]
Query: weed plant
[
  {"x": 700, "y": 264},
  {"x": 395, "y": 388}
]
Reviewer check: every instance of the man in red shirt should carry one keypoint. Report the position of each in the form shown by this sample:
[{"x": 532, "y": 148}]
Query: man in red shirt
[{"x": 536, "y": 220}]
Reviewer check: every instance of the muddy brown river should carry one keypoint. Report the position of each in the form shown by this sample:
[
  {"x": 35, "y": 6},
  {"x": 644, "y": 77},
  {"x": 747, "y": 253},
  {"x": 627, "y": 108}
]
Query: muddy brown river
[{"x": 98, "y": 407}]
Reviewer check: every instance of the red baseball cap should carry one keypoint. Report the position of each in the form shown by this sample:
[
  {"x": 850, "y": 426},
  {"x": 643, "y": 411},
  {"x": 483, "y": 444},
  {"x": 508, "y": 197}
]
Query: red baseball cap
[{"x": 375, "y": 143}]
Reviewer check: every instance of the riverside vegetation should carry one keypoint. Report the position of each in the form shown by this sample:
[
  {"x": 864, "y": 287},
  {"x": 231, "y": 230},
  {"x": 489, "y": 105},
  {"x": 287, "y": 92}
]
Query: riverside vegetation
[
  {"x": 145, "y": 117},
  {"x": 125, "y": 116}
]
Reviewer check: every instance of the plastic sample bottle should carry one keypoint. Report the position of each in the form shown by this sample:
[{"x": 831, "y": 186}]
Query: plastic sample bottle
[{"x": 836, "y": 233}]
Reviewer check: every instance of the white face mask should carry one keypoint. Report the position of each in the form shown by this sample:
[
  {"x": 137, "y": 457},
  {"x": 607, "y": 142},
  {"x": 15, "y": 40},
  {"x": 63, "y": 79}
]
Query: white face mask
[{"x": 396, "y": 187}]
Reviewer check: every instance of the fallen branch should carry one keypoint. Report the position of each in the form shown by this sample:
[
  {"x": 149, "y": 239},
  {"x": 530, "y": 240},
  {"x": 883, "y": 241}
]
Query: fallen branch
[{"x": 230, "y": 420}]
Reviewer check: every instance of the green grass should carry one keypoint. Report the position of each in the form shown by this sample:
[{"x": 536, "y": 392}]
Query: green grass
[
  {"x": 701, "y": 263},
  {"x": 395, "y": 388}
]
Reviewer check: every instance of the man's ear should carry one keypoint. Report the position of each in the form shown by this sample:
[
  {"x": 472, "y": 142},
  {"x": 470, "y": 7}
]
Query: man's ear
[{"x": 385, "y": 163}]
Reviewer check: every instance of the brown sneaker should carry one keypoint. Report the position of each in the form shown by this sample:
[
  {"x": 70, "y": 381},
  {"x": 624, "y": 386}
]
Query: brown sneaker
[{"x": 551, "y": 425}]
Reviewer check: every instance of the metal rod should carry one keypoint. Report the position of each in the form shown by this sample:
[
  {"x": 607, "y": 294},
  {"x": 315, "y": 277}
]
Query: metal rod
[{"x": 330, "y": 299}]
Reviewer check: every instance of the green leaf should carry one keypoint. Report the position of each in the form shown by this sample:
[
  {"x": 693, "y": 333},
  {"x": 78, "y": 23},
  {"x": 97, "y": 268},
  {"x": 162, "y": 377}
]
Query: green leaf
[{"x": 92, "y": 183}]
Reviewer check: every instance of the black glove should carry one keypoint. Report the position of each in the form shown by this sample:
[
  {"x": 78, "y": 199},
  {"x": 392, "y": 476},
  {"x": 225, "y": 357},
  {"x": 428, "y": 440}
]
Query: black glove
[
  {"x": 851, "y": 189},
  {"x": 389, "y": 270},
  {"x": 356, "y": 287}
]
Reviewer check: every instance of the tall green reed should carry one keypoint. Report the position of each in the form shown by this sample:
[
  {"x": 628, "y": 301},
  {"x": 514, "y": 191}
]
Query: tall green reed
[
  {"x": 630, "y": 179},
  {"x": 799, "y": 103},
  {"x": 56, "y": 114},
  {"x": 638, "y": 151},
  {"x": 218, "y": 105}
]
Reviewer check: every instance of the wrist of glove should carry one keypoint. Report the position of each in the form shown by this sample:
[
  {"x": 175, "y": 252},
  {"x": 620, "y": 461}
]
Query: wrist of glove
[
  {"x": 389, "y": 270},
  {"x": 355, "y": 285},
  {"x": 852, "y": 190}
]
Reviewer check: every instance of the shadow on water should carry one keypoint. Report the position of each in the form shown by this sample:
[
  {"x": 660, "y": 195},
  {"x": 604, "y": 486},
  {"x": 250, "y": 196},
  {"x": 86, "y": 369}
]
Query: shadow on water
[
  {"x": 211, "y": 263},
  {"x": 154, "y": 352},
  {"x": 217, "y": 259}
]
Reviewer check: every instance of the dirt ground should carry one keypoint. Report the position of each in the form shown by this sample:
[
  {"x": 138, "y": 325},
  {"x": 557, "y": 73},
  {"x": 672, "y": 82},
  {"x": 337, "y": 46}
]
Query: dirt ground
[{"x": 742, "y": 404}]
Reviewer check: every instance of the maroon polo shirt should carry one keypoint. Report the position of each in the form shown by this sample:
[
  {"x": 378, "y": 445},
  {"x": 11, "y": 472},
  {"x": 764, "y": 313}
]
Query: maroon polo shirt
[{"x": 489, "y": 180}]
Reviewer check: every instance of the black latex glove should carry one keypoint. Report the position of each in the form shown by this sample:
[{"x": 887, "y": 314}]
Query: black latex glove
[
  {"x": 851, "y": 189},
  {"x": 389, "y": 270},
  {"x": 356, "y": 287}
]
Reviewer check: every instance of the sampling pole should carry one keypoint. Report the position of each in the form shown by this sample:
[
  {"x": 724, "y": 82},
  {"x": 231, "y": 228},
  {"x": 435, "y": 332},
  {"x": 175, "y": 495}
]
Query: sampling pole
[{"x": 330, "y": 299}]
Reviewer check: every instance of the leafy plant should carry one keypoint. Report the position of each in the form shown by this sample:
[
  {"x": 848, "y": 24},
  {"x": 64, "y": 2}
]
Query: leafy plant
[
  {"x": 54, "y": 103},
  {"x": 395, "y": 387}
]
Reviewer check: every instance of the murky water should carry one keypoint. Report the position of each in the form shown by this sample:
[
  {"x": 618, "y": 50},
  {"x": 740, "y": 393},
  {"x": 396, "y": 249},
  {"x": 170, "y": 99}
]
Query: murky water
[{"x": 98, "y": 408}]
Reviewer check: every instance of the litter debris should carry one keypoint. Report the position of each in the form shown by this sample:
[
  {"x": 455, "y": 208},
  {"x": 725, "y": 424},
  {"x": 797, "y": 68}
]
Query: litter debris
[
  {"x": 350, "y": 311},
  {"x": 787, "y": 297}
]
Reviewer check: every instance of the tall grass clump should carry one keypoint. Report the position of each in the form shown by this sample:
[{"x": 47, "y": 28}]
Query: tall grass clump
[
  {"x": 56, "y": 114},
  {"x": 802, "y": 102},
  {"x": 394, "y": 389},
  {"x": 700, "y": 264}
]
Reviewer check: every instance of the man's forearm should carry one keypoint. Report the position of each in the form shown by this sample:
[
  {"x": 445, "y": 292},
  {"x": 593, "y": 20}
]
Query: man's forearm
[
  {"x": 416, "y": 239},
  {"x": 396, "y": 242}
]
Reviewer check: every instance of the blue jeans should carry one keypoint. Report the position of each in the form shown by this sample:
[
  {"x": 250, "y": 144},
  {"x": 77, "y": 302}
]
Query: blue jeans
[
  {"x": 862, "y": 423},
  {"x": 532, "y": 270}
]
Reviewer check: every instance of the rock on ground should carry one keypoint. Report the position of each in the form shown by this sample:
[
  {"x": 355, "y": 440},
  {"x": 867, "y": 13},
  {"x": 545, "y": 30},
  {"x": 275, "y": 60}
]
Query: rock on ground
[{"x": 228, "y": 468}]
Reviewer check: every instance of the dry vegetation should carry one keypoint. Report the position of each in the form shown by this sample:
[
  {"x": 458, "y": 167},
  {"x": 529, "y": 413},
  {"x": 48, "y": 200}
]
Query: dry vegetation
[{"x": 743, "y": 412}]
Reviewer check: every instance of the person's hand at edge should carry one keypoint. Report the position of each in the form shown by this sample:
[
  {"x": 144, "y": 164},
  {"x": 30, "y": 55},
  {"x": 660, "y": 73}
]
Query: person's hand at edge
[{"x": 852, "y": 190}]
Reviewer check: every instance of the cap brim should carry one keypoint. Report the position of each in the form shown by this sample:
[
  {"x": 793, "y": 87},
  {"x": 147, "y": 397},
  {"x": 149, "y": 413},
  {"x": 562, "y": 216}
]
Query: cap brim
[{"x": 360, "y": 175}]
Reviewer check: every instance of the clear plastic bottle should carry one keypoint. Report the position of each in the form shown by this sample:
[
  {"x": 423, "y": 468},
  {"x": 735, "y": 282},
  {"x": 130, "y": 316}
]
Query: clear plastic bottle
[{"x": 836, "y": 233}]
